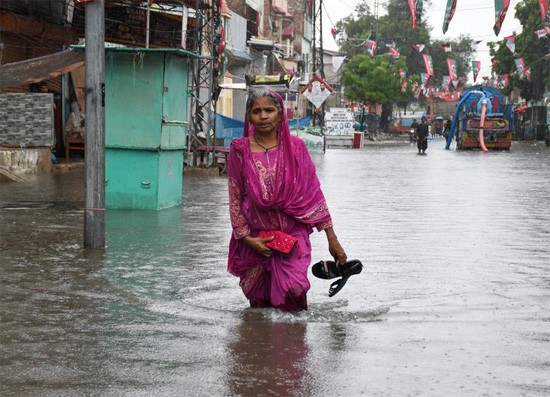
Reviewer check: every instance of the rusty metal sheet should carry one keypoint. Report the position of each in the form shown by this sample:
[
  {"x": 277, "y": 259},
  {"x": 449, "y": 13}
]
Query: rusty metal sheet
[{"x": 37, "y": 69}]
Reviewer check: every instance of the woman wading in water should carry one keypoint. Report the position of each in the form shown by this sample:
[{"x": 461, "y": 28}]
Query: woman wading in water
[{"x": 273, "y": 186}]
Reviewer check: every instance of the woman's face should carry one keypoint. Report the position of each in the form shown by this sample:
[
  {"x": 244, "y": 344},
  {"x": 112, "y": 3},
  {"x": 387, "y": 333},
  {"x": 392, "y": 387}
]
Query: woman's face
[{"x": 264, "y": 115}]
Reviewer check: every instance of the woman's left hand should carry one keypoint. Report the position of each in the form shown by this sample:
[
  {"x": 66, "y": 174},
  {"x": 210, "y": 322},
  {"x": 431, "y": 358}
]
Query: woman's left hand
[{"x": 337, "y": 251}]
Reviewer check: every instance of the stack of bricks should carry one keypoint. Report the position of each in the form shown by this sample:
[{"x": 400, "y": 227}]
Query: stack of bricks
[{"x": 27, "y": 120}]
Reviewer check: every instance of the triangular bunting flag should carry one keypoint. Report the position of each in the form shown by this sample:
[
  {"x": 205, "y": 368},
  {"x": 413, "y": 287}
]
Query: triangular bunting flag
[
  {"x": 511, "y": 43},
  {"x": 446, "y": 47}
]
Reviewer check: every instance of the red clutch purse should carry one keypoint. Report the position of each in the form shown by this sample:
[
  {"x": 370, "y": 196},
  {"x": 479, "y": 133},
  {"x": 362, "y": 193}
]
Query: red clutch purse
[{"x": 282, "y": 242}]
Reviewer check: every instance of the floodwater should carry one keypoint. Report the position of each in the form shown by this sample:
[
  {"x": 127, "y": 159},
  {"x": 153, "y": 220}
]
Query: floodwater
[{"x": 454, "y": 299}]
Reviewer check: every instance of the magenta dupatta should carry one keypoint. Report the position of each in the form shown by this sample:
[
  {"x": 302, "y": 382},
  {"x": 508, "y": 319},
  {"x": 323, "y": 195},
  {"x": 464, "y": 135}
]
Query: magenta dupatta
[{"x": 296, "y": 191}]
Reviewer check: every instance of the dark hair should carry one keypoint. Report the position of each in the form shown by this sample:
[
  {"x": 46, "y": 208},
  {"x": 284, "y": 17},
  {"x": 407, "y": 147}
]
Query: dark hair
[{"x": 261, "y": 93}]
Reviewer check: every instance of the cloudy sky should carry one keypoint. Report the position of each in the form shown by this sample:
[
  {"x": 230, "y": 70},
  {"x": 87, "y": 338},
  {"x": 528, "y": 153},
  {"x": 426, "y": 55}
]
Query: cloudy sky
[{"x": 472, "y": 17}]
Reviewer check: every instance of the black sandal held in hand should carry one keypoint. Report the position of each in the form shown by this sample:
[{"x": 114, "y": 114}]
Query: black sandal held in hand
[{"x": 328, "y": 270}]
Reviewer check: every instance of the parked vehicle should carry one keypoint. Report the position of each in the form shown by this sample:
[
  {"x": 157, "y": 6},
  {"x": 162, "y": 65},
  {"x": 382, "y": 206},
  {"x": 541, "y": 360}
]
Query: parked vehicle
[
  {"x": 482, "y": 120},
  {"x": 404, "y": 124},
  {"x": 366, "y": 121}
]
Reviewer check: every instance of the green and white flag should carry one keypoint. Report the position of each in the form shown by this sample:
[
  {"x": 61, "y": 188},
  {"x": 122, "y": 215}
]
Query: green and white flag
[
  {"x": 501, "y": 8},
  {"x": 449, "y": 13}
]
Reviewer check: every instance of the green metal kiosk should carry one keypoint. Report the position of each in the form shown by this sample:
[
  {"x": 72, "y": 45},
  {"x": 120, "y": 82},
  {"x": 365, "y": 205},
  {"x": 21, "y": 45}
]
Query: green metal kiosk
[{"x": 146, "y": 98}]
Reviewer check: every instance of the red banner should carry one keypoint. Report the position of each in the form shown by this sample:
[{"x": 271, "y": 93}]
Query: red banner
[
  {"x": 412, "y": 7},
  {"x": 371, "y": 46},
  {"x": 527, "y": 73},
  {"x": 544, "y": 10},
  {"x": 504, "y": 80},
  {"x": 394, "y": 52},
  {"x": 451, "y": 64},
  {"x": 476, "y": 66},
  {"x": 428, "y": 64},
  {"x": 447, "y": 96}
]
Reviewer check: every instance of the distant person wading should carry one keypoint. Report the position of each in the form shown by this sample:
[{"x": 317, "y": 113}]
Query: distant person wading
[{"x": 422, "y": 132}]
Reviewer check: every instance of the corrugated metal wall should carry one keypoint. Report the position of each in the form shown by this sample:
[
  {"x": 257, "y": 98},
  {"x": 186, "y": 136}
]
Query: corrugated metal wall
[{"x": 236, "y": 32}]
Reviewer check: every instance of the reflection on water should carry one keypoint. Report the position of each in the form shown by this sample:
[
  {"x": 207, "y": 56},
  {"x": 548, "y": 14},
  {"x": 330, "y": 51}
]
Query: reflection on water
[
  {"x": 453, "y": 298},
  {"x": 268, "y": 357}
]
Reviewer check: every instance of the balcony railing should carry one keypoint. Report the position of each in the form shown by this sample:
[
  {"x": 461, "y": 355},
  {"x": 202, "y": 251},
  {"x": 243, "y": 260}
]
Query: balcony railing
[{"x": 284, "y": 50}]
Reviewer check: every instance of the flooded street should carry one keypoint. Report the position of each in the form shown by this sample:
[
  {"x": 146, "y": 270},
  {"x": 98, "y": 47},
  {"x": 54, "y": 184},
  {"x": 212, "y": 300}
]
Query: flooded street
[{"x": 454, "y": 299}]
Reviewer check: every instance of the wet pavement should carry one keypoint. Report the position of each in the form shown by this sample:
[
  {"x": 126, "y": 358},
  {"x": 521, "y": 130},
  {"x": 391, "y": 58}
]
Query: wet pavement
[{"x": 454, "y": 299}]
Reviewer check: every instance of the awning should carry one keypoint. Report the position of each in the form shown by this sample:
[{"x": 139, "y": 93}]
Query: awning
[
  {"x": 239, "y": 55},
  {"x": 288, "y": 31},
  {"x": 37, "y": 69},
  {"x": 233, "y": 86},
  {"x": 281, "y": 11},
  {"x": 253, "y": 4}
]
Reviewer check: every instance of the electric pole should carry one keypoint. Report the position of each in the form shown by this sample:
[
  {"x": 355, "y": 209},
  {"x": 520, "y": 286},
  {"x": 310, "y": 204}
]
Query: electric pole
[
  {"x": 94, "y": 211},
  {"x": 317, "y": 39},
  {"x": 375, "y": 20},
  {"x": 318, "y": 65},
  {"x": 1, "y": 47}
]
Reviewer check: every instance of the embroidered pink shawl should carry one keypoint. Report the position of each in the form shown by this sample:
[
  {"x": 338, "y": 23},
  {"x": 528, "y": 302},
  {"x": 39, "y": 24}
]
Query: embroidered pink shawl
[{"x": 297, "y": 188}]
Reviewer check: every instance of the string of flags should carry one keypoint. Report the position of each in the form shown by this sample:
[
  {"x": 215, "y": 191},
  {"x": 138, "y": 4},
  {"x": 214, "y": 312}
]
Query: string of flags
[
  {"x": 501, "y": 9},
  {"x": 501, "y": 81}
]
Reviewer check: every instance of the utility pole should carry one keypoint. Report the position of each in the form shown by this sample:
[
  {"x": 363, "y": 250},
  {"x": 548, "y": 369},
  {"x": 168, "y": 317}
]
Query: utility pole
[
  {"x": 375, "y": 20},
  {"x": 318, "y": 54},
  {"x": 204, "y": 74},
  {"x": 1, "y": 47},
  {"x": 148, "y": 24},
  {"x": 317, "y": 39},
  {"x": 94, "y": 212}
]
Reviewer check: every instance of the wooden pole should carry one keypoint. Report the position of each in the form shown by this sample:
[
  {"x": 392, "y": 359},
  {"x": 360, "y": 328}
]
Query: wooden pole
[{"x": 94, "y": 213}]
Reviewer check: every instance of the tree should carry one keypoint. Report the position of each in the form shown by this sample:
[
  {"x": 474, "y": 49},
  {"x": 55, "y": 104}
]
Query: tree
[
  {"x": 528, "y": 47},
  {"x": 375, "y": 80}
]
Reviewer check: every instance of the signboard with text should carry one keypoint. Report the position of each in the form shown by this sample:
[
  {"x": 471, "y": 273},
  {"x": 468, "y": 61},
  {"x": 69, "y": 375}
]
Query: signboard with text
[{"x": 339, "y": 121}]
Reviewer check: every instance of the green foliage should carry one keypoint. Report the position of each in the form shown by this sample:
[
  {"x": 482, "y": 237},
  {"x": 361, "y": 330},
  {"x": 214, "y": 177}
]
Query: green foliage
[
  {"x": 528, "y": 47},
  {"x": 375, "y": 79}
]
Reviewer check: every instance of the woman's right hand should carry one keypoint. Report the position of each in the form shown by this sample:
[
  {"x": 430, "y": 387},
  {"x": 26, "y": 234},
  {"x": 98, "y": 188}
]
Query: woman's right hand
[{"x": 257, "y": 244}]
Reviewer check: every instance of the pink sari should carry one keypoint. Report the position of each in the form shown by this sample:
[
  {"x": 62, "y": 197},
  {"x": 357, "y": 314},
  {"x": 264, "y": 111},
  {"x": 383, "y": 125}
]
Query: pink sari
[{"x": 277, "y": 190}]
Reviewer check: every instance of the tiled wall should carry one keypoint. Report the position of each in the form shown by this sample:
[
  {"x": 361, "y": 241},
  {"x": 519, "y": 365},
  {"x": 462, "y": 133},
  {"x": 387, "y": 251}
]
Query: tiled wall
[{"x": 26, "y": 120}]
